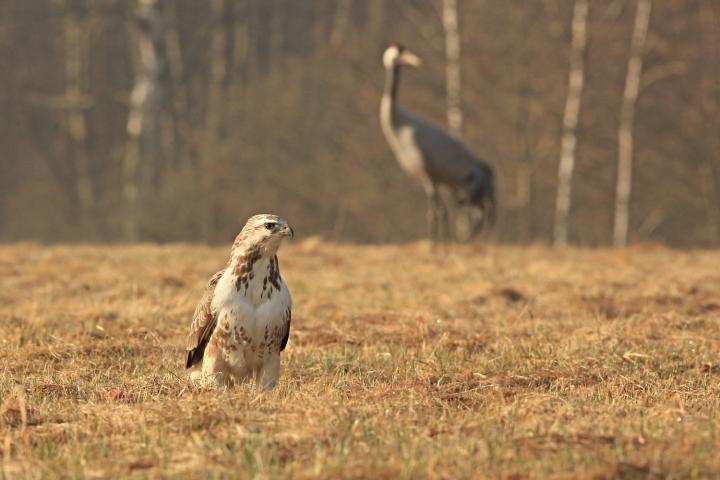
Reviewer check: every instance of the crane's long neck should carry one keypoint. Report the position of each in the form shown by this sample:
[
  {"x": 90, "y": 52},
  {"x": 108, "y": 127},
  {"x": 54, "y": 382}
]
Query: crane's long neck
[{"x": 388, "y": 105}]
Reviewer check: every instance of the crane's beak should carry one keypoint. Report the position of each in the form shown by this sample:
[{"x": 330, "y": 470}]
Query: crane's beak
[{"x": 409, "y": 58}]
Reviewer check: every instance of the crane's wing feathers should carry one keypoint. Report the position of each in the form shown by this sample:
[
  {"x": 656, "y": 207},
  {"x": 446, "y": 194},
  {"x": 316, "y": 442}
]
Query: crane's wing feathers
[
  {"x": 449, "y": 161},
  {"x": 203, "y": 323}
]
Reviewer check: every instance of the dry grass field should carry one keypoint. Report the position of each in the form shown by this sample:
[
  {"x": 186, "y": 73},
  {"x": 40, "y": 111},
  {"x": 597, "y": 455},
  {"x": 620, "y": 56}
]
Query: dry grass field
[{"x": 483, "y": 361}]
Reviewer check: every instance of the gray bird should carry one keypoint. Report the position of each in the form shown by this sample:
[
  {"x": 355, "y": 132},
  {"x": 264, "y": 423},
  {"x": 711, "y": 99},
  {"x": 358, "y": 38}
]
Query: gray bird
[{"x": 429, "y": 154}]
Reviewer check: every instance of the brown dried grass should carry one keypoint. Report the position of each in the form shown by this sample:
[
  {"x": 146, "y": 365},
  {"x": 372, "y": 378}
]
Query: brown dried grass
[{"x": 469, "y": 363}]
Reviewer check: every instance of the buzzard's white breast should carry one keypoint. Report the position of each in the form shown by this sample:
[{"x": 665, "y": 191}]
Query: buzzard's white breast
[{"x": 252, "y": 313}]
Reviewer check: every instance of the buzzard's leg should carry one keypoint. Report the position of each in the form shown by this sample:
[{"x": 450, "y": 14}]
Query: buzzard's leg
[
  {"x": 196, "y": 375},
  {"x": 242, "y": 375},
  {"x": 213, "y": 371},
  {"x": 270, "y": 373}
]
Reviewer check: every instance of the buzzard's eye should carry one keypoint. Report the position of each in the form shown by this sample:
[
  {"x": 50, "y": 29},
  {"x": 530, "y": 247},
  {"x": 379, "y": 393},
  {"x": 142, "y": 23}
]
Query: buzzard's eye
[{"x": 269, "y": 225}]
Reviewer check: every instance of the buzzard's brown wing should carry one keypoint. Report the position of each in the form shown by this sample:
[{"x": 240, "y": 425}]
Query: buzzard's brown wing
[
  {"x": 286, "y": 337},
  {"x": 203, "y": 324}
]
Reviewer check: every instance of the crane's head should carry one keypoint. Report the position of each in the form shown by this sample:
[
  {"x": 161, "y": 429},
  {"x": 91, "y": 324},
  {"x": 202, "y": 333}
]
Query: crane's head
[{"x": 398, "y": 55}]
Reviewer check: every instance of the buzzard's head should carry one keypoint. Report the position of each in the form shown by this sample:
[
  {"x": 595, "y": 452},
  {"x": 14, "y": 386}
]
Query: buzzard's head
[{"x": 265, "y": 232}]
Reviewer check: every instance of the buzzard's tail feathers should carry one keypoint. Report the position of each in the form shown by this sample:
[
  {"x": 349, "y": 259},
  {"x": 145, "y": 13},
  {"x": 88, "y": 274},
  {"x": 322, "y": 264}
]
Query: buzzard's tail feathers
[{"x": 195, "y": 355}]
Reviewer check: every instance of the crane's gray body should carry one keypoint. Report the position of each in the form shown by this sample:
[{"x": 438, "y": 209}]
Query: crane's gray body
[{"x": 429, "y": 154}]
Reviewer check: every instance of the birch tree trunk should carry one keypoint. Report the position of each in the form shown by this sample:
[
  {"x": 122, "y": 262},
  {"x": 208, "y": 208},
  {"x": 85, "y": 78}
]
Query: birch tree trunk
[
  {"x": 147, "y": 102},
  {"x": 214, "y": 117},
  {"x": 376, "y": 19},
  {"x": 526, "y": 169},
  {"x": 452, "y": 67},
  {"x": 571, "y": 115},
  {"x": 75, "y": 37},
  {"x": 710, "y": 85},
  {"x": 218, "y": 73},
  {"x": 340, "y": 23},
  {"x": 242, "y": 45},
  {"x": 277, "y": 34},
  {"x": 627, "y": 120},
  {"x": 7, "y": 104},
  {"x": 178, "y": 94}
]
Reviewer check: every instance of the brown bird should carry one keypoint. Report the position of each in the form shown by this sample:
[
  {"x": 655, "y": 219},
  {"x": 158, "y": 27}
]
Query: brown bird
[{"x": 242, "y": 322}]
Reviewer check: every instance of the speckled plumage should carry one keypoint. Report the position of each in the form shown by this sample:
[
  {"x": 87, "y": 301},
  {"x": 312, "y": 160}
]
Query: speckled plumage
[{"x": 242, "y": 323}]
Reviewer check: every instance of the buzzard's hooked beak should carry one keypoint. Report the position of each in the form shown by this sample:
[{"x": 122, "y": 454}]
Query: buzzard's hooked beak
[{"x": 288, "y": 231}]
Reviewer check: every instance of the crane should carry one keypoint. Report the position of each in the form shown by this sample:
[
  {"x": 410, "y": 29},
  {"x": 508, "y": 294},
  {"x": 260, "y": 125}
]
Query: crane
[{"x": 427, "y": 153}]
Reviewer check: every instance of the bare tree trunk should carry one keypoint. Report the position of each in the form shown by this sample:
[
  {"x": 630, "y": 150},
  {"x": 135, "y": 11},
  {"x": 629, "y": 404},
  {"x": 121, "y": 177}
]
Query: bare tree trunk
[
  {"x": 277, "y": 34},
  {"x": 7, "y": 105},
  {"x": 147, "y": 103},
  {"x": 627, "y": 120},
  {"x": 710, "y": 85},
  {"x": 214, "y": 116},
  {"x": 70, "y": 162},
  {"x": 75, "y": 34},
  {"x": 525, "y": 175},
  {"x": 376, "y": 17},
  {"x": 452, "y": 67},
  {"x": 218, "y": 73},
  {"x": 340, "y": 23},
  {"x": 178, "y": 90},
  {"x": 571, "y": 116},
  {"x": 241, "y": 48}
]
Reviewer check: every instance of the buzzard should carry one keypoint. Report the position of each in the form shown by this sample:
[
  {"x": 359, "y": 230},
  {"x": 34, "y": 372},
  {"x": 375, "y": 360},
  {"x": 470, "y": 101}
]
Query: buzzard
[{"x": 242, "y": 322}]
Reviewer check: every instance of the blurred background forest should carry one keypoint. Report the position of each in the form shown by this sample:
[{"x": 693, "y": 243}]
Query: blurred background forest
[{"x": 176, "y": 120}]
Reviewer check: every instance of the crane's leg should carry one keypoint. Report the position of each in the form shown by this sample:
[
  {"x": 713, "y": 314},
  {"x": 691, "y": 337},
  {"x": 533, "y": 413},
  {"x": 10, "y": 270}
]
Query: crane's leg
[
  {"x": 478, "y": 215},
  {"x": 432, "y": 213},
  {"x": 444, "y": 231}
]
